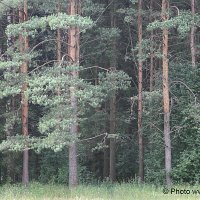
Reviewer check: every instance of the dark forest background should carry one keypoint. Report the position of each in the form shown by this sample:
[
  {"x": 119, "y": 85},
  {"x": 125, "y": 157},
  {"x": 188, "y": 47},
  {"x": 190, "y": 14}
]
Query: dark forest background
[{"x": 100, "y": 90}]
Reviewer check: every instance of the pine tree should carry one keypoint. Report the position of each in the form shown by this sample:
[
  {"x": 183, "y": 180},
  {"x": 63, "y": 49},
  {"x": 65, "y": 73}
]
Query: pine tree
[
  {"x": 167, "y": 133},
  {"x": 24, "y": 46},
  {"x": 140, "y": 101},
  {"x": 73, "y": 53},
  {"x": 113, "y": 66}
]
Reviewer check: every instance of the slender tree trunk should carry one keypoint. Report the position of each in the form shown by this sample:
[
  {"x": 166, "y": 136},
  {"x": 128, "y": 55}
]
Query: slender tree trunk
[
  {"x": 73, "y": 52},
  {"x": 1, "y": 36},
  {"x": 58, "y": 39},
  {"x": 106, "y": 163},
  {"x": 192, "y": 41},
  {"x": 24, "y": 45},
  {"x": 106, "y": 155},
  {"x": 151, "y": 52},
  {"x": 58, "y": 48},
  {"x": 113, "y": 140},
  {"x": 140, "y": 88},
  {"x": 58, "y": 42},
  {"x": 113, "y": 66},
  {"x": 167, "y": 139}
]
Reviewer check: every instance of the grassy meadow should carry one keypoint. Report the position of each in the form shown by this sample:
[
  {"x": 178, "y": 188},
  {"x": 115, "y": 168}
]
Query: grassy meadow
[{"x": 124, "y": 191}]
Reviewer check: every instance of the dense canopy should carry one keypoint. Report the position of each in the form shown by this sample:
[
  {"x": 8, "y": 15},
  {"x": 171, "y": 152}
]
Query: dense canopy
[{"x": 99, "y": 90}]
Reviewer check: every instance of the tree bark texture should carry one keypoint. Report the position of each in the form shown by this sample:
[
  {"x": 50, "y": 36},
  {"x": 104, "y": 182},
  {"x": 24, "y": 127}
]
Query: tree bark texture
[
  {"x": 151, "y": 52},
  {"x": 24, "y": 45},
  {"x": 106, "y": 159},
  {"x": 58, "y": 39},
  {"x": 73, "y": 54},
  {"x": 166, "y": 103}
]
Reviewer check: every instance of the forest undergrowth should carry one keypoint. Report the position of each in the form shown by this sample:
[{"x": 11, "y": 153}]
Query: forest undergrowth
[{"x": 106, "y": 191}]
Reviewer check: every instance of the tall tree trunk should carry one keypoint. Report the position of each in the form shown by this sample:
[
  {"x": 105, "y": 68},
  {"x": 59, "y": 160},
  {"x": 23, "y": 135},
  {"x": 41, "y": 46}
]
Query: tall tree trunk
[
  {"x": 192, "y": 41},
  {"x": 151, "y": 52},
  {"x": 112, "y": 139},
  {"x": 140, "y": 88},
  {"x": 106, "y": 160},
  {"x": 58, "y": 39},
  {"x": 24, "y": 45},
  {"x": 58, "y": 42},
  {"x": 167, "y": 139},
  {"x": 106, "y": 155},
  {"x": 58, "y": 47},
  {"x": 113, "y": 66},
  {"x": 73, "y": 52},
  {"x": 1, "y": 36}
]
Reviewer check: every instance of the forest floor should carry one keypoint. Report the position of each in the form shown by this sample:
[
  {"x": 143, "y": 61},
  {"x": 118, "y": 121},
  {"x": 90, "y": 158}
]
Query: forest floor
[{"x": 102, "y": 192}]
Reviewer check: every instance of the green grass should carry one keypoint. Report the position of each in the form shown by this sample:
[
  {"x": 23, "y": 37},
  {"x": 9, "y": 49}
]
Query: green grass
[{"x": 102, "y": 192}]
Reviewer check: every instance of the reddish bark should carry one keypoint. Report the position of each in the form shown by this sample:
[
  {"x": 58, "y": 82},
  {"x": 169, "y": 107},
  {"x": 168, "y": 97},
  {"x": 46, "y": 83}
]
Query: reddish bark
[
  {"x": 166, "y": 108},
  {"x": 73, "y": 53},
  {"x": 24, "y": 45}
]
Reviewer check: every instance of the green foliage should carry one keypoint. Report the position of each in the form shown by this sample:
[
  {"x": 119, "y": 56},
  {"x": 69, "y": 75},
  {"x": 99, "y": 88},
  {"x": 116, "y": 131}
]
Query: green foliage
[
  {"x": 6, "y": 5},
  {"x": 113, "y": 81},
  {"x": 13, "y": 143},
  {"x": 190, "y": 137},
  {"x": 108, "y": 33},
  {"x": 53, "y": 167},
  {"x": 152, "y": 131},
  {"x": 55, "y": 21},
  {"x": 183, "y": 22},
  {"x": 9, "y": 64},
  {"x": 91, "y": 8}
]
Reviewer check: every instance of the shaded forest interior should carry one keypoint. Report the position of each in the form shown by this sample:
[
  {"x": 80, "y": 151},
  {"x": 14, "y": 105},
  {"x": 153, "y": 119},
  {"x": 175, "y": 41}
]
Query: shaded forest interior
[{"x": 99, "y": 90}]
